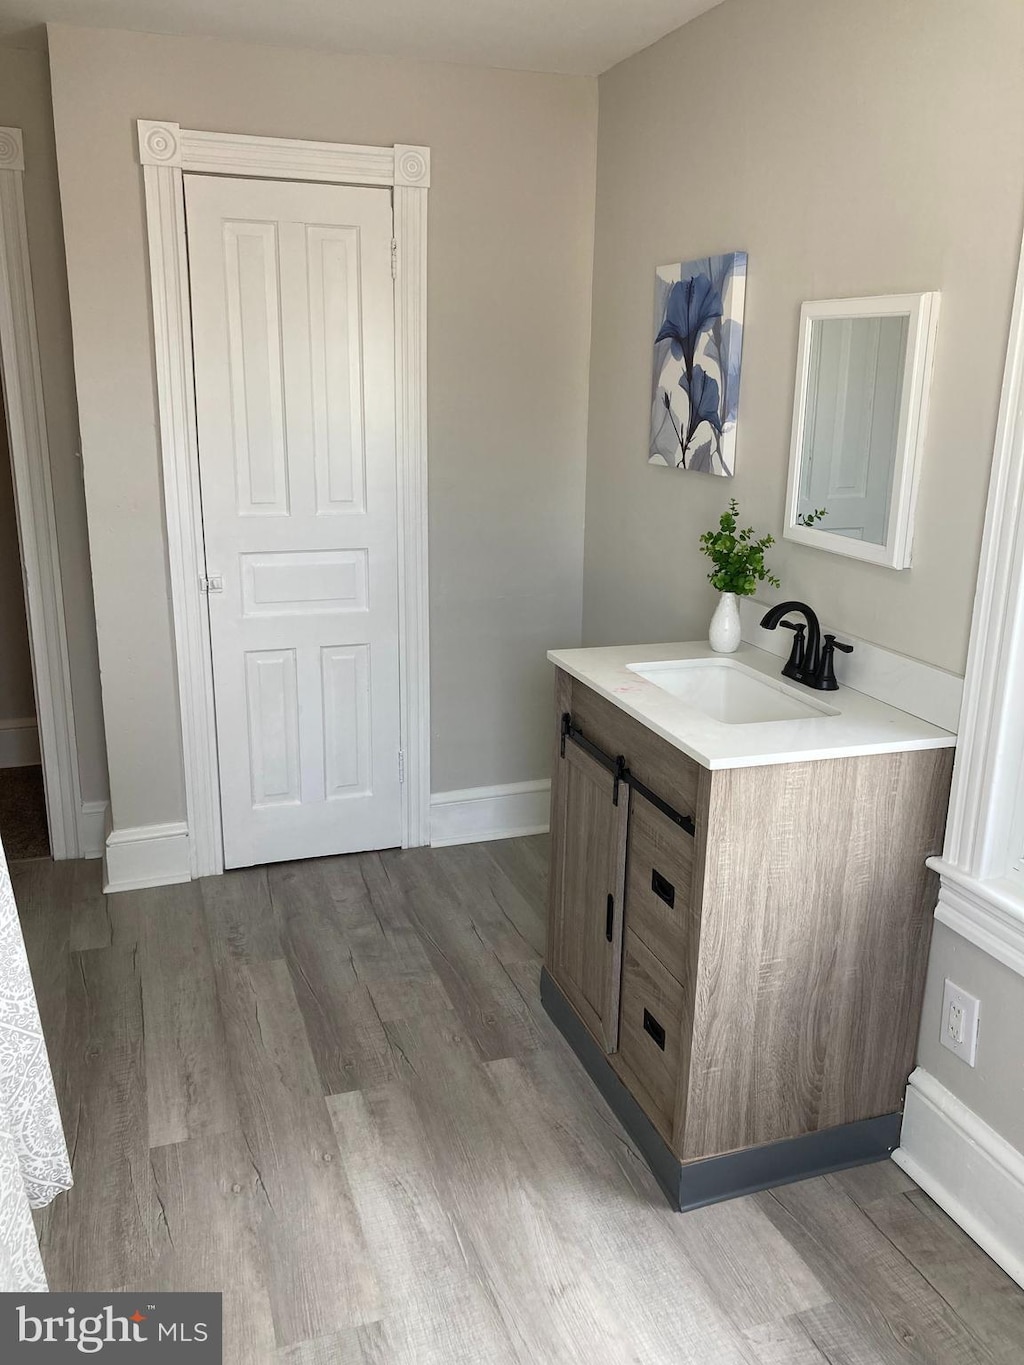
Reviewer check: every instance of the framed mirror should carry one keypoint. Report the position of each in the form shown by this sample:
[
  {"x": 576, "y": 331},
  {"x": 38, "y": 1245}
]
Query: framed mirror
[{"x": 862, "y": 377}]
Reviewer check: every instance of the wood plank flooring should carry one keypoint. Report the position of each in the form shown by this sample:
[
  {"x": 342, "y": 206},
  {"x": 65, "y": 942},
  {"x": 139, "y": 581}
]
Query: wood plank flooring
[{"x": 328, "y": 1090}]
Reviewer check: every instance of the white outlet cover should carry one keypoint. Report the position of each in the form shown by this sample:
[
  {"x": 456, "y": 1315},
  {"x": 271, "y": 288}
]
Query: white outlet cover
[{"x": 958, "y": 1027}]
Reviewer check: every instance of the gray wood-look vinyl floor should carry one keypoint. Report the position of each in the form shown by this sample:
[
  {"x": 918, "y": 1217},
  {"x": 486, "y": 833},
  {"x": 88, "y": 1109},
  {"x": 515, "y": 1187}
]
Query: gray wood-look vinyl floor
[{"x": 328, "y": 1090}]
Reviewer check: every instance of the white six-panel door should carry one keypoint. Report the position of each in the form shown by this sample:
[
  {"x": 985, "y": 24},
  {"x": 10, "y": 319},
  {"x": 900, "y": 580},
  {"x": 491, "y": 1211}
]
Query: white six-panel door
[{"x": 292, "y": 313}]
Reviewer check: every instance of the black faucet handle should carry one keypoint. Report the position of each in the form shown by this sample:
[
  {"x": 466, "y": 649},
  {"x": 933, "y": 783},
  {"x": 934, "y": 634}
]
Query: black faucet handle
[
  {"x": 795, "y": 663},
  {"x": 832, "y": 643},
  {"x": 825, "y": 679}
]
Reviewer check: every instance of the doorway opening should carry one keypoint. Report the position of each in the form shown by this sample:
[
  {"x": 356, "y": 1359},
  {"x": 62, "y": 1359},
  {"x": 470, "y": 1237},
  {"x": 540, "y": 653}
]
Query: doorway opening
[
  {"x": 28, "y": 461},
  {"x": 23, "y": 826}
]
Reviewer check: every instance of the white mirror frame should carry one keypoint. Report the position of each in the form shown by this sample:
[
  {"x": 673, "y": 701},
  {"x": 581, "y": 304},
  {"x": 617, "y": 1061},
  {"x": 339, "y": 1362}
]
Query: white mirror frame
[{"x": 922, "y": 312}]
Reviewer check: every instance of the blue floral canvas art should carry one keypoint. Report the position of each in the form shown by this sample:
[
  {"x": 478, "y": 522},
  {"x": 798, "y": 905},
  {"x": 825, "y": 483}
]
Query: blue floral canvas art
[{"x": 698, "y": 339}]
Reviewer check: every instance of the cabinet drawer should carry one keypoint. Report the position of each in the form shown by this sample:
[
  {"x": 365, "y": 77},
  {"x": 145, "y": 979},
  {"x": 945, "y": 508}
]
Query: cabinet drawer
[
  {"x": 651, "y": 1031},
  {"x": 659, "y": 886}
]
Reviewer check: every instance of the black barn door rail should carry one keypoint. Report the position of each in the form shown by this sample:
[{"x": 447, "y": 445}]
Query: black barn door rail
[{"x": 617, "y": 766}]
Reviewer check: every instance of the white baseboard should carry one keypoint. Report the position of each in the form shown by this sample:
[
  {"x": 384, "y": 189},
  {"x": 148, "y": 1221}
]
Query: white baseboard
[
  {"x": 92, "y": 829},
  {"x": 148, "y": 855},
  {"x": 478, "y": 813},
  {"x": 158, "y": 855},
  {"x": 19, "y": 743},
  {"x": 967, "y": 1168}
]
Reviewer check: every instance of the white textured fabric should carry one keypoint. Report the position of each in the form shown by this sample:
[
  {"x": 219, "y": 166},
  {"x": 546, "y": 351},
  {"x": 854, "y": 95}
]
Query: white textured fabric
[{"x": 34, "y": 1164}]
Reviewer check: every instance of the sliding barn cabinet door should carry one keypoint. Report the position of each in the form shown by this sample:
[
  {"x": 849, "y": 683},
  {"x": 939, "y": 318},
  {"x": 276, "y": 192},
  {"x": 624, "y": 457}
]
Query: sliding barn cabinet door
[{"x": 590, "y": 813}]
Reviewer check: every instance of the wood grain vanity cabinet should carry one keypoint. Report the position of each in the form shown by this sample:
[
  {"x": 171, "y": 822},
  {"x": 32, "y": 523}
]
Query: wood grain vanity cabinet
[{"x": 738, "y": 955}]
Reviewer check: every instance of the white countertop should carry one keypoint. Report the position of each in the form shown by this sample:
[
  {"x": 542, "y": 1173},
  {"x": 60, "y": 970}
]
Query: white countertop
[{"x": 861, "y": 724}]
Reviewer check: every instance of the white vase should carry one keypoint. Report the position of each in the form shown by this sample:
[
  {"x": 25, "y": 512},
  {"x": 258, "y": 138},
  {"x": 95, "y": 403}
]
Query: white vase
[{"x": 724, "y": 631}]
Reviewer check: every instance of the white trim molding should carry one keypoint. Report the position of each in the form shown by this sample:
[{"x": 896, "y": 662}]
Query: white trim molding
[
  {"x": 33, "y": 494},
  {"x": 166, "y": 153},
  {"x": 988, "y": 914},
  {"x": 478, "y": 813},
  {"x": 967, "y": 1168},
  {"x": 992, "y": 726},
  {"x": 19, "y": 743},
  {"x": 410, "y": 228},
  {"x": 979, "y": 896},
  {"x": 92, "y": 829},
  {"x": 179, "y": 449},
  {"x": 148, "y": 855}
]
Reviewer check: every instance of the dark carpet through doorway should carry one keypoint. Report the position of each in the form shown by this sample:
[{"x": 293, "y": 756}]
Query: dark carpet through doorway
[{"x": 23, "y": 813}]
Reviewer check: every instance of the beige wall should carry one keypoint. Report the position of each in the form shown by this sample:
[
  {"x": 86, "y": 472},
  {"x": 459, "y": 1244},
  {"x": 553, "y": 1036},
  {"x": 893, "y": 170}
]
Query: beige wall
[
  {"x": 25, "y": 104},
  {"x": 994, "y": 1087},
  {"x": 851, "y": 149},
  {"x": 16, "y": 699},
  {"x": 511, "y": 222}
]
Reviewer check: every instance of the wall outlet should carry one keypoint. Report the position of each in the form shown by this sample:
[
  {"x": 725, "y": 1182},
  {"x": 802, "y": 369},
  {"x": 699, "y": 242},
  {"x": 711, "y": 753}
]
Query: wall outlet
[{"x": 959, "y": 1027}]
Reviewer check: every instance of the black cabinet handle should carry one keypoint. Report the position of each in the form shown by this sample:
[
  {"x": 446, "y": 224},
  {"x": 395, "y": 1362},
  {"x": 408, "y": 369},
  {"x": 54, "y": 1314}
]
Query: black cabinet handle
[
  {"x": 655, "y": 1029},
  {"x": 663, "y": 888},
  {"x": 609, "y": 918}
]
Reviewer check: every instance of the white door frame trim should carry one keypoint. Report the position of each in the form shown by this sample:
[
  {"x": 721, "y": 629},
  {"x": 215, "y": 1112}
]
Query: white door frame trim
[
  {"x": 33, "y": 495},
  {"x": 976, "y": 897},
  {"x": 167, "y": 152}
]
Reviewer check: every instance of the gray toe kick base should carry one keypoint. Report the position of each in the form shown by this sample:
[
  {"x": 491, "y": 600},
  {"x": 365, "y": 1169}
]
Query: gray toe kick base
[{"x": 693, "y": 1184}]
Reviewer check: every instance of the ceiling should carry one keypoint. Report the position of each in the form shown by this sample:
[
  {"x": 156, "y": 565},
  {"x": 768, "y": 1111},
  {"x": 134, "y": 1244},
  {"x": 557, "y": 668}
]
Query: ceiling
[{"x": 583, "y": 37}]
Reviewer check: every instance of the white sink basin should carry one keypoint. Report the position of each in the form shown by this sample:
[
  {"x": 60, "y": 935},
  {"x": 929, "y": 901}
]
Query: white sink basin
[{"x": 731, "y": 692}]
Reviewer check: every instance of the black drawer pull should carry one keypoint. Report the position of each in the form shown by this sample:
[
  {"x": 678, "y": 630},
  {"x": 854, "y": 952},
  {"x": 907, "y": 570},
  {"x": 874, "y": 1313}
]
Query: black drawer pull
[
  {"x": 663, "y": 888},
  {"x": 609, "y": 918},
  {"x": 655, "y": 1029}
]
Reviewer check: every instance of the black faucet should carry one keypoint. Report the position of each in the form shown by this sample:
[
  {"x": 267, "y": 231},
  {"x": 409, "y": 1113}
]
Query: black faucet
[{"x": 809, "y": 662}]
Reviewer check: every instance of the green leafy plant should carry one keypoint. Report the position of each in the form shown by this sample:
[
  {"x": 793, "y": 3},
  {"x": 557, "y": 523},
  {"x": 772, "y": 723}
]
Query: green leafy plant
[
  {"x": 737, "y": 558},
  {"x": 809, "y": 518}
]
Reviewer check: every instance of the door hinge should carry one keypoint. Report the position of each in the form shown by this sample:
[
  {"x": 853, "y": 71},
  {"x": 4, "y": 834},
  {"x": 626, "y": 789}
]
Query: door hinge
[
  {"x": 401, "y": 765},
  {"x": 212, "y": 583},
  {"x": 394, "y": 258}
]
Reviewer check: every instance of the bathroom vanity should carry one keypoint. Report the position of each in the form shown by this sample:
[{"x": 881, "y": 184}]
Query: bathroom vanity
[{"x": 740, "y": 910}]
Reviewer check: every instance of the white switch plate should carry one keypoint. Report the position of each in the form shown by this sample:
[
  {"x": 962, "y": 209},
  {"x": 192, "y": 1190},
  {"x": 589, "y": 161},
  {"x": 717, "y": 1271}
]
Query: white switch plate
[{"x": 958, "y": 1029}]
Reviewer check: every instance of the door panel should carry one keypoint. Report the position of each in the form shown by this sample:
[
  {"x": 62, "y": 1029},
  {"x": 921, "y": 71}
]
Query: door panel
[
  {"x": 345, "y": 678},
  {"x": 255, "y": 373},
  {"x": 304, "y": 581},
  {"x": 271, "y": 700},
  {"x": 333, "y": 283},
  {"x": 588, "y": 874},
  {"x": 293, "y": 320}
]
